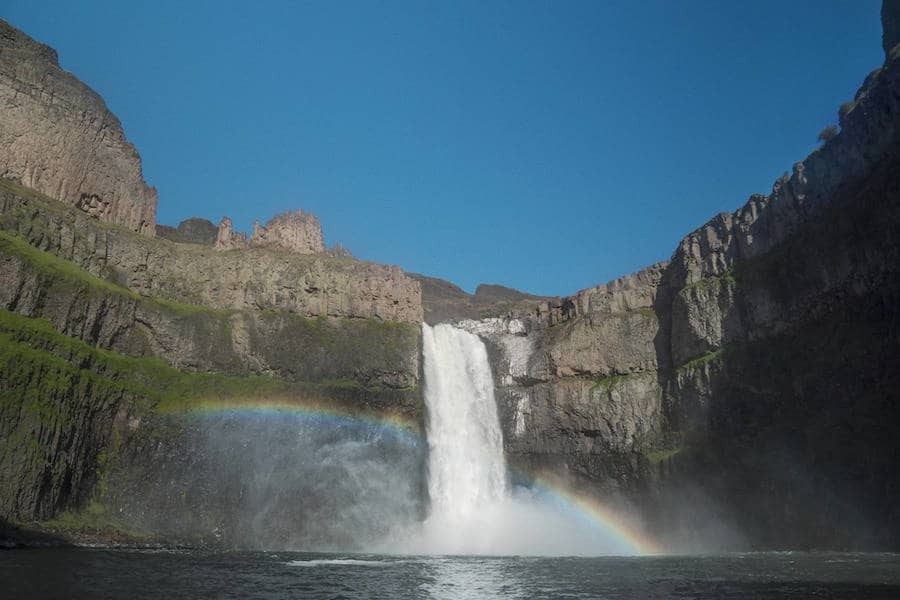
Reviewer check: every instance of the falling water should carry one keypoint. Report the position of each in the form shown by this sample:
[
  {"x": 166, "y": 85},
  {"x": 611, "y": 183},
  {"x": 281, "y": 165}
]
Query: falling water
[
  {"x": 466, "y": 467},
  {"x": 473, "y": 509}
]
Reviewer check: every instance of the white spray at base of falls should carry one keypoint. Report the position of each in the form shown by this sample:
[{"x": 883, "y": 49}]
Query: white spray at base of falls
[
  {"x": 466, "y": 468},
  {"x": 473, "y": 509}
]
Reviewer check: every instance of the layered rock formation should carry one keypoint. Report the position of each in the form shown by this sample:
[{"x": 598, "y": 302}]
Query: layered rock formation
[
  {"x": 293, "y": 231},
  {"x": 59, "y": 138},
  {"x": 100, "y": 351},
  {"x": 296, "y": 232},
  {"x": 251, "y": 279},
  {"x": 227, "y": 238},
  {"x": 103, "y": 327},
  {"x": 579, "y": 384}
]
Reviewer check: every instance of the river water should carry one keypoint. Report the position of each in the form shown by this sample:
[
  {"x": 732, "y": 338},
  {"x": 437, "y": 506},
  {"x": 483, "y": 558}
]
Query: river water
[{"x": 132, "y": 574}]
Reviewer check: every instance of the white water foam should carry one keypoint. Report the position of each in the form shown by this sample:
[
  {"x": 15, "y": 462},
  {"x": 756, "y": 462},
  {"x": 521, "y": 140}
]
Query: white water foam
[
  {"x": 466, "y": 469},
  {"x": 343, "y": 562},
  {"x": 473, "y": 511}
]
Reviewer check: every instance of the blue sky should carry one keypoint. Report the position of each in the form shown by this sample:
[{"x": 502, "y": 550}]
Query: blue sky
[{"x": 548, "y": 146}]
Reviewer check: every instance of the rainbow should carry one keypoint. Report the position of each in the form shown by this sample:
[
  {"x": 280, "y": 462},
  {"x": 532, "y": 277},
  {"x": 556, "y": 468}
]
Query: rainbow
[
  {"x": 314, "y": 412},
  {"x": 627, "y": 539}
]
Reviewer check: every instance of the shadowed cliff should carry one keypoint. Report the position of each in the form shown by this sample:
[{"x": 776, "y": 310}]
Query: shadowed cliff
[{"x": 744, "y": 392}]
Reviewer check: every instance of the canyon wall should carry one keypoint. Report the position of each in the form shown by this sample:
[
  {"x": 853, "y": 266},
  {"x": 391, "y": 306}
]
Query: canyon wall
[
  {"x": 244, "y": 279},
  {"x": 59, "y": 138},
  {"x": 744, "y": 392},
  {"x": 297, "y": 232},
  {"x": 93, "y": 350},
  {"x": 111, "y": 338}
]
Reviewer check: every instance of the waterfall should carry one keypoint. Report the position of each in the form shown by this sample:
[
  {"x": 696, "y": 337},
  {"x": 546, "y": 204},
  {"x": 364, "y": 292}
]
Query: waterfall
[
  {"x": 467, "y": 471},
  {"x": 473, "y": 510}
]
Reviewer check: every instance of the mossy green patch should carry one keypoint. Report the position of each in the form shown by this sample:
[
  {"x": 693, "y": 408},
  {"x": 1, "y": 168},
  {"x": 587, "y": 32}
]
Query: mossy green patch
[
  {"x": 50, "y": 264},
  {"x": 56, "y": 266},
  {"x": 18, "y": 189},
  {"x": 647, "y": 311},
  {"x": 729, "y": 277},
  {"x": 35, "y": 343},
  {"x": 702, "y": 360},
  {"x": 94, "y": 520},
  {"x": 656, "y": 457},
  {"x": 329, "y": 349},
  {"x": 605, "y": 384}
]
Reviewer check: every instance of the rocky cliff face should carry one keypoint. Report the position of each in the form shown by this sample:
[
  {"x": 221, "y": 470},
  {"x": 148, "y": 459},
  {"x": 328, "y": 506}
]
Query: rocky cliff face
[
  {"x": 90, "y": 361},
  {"x": 296, "y": 232},
  {"x": 579, "y": 382},
  {"x": 59, "y": 138},
  {"x": 105, "y": 331},
  {"x": 293, "y": 231},
  {"x": 227, "y": 238},
  {"x": 246, "y": 279},
  {"x": 744, "y": 391}
]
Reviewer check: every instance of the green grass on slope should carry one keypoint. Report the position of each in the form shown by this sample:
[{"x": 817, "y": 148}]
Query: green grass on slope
[
  {"x": 54, "y": 265},
  {"x": 164, "y": 386},
  {"x": 25, "y": 338},
  {"x": 65, "y": 270}
]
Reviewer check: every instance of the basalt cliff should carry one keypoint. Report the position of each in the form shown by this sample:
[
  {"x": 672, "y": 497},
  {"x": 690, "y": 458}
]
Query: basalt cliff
[
  {"x": 107, "y": 327},
  {"x": 746, "y": 390},
  {"x": 742, "y": 393},
  {"x": 59, "y": 138}
]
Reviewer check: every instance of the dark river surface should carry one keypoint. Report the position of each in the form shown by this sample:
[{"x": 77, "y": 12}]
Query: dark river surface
[{"x": 132, "y": 574}]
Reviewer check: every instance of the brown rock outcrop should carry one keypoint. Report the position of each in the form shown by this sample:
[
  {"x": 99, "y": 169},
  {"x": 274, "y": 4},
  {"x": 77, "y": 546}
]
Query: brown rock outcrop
[
  {"x": 227, "y": 238},
  {"x": 58, "y": 137},
  {"x": 248, "y": 278},
  {"x": 297, "y": 232},
  {"x": 294, "y": 231}
]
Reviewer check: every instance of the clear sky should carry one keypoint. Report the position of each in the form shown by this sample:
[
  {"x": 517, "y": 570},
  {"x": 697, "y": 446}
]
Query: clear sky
[{"x": 548, "y": 146}]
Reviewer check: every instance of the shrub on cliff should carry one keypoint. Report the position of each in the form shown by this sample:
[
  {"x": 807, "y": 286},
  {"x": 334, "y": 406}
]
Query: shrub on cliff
[
  {"x": 827, "y": 134},
  {"x": 845, "y": 108}
]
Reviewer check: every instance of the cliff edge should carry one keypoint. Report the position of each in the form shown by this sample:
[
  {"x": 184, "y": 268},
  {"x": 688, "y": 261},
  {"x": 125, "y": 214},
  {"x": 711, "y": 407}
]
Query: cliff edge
[{"x": 59, "y": 138}]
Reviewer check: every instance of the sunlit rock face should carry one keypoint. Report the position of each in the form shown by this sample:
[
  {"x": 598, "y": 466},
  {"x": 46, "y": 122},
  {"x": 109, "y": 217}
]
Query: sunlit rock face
[
  {"x": 296, "y": 232},
  {"x": 246, "y": 279},
  {"x": 293, "y": 231},
  {"x": 58, "y": 137}
]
